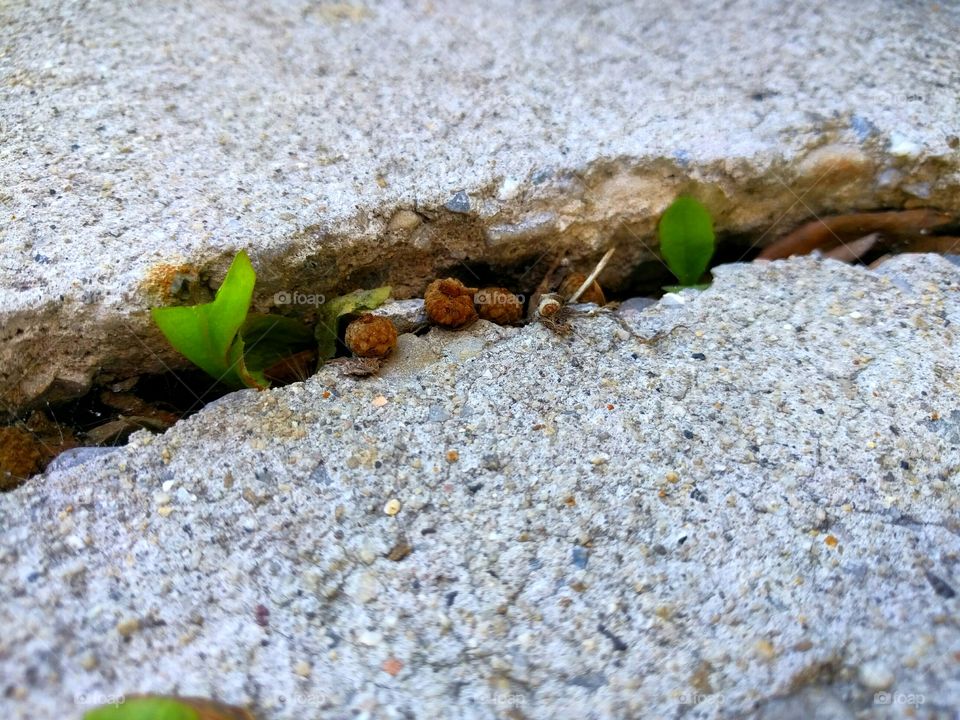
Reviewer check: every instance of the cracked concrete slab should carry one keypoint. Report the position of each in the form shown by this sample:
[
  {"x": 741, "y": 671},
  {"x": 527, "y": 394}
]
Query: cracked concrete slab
[
  {"x": 347, "y": 144},
  {"x": 737, "y": 503}
]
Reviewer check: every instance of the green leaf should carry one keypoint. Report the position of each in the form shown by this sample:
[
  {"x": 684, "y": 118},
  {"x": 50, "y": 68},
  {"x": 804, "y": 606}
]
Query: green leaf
[
  {"x": 207, "y": 334},
  {"x": 147, "y": 708},
  {"x": 268, "y": 339},
  {"x": 332, "y": 311},
  {"x": 686, "y": 239}
]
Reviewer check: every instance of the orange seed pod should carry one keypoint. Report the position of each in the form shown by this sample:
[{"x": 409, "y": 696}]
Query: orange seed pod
[
  {"x": 572, "y": 282},
  {"x": 449, "y": 303},
  {"x": 499, "y": 305},
  {"x": 371, "y": 336}
]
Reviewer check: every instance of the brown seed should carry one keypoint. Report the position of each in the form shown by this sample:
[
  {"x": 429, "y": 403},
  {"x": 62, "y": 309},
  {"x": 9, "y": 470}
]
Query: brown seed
[
  {"x": 549, "y": 306},
  {"x": 498, "y": 305},
  {"x": 399, "y": 551},
  {"x": 449, "y": 303},
  {"x": 572, "y": 282},
  {"x": 371, "y": 336}
]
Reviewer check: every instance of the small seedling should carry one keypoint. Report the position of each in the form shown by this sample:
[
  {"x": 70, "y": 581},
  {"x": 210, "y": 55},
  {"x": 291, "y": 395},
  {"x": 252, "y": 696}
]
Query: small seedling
[
  {"x": 687, "y": 241},
  {"x": 220, "y": 338}
]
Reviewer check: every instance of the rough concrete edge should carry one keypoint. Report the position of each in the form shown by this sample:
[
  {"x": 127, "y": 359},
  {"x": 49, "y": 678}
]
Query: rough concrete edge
[{"x": 59, "y": 350}]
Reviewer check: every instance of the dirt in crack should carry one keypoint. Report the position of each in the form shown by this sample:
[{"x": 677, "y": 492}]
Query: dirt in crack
[{"x": 103, "y": 418}]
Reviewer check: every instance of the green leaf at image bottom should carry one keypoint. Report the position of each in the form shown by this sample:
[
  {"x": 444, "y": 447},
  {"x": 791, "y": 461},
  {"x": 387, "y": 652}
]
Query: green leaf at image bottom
[
  {"x": 331, "y": 312},
  {"x": 144, "y": 709},
  {"x": 163, "y": 707}
]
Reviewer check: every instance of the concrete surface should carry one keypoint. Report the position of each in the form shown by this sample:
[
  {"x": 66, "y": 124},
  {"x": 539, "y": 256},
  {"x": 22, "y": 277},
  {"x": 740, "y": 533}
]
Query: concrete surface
[
  {"x": 740, "y": 503},
  {"x": 350, "y": 145}
]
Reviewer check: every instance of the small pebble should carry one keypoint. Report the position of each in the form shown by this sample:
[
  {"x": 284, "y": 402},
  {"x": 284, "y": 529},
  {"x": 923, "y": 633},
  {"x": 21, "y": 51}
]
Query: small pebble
[
  {"x": 128, "y": 627},
  {"x": 370, "y": 638},
  {"x": 580, "y": 556},
  {"x": 765, "y": 649},
  {"x": 303, "y": 669},
  {"x": 392, "y": 507},
  {"x": 392, "y": 666},
  {"x": 876, "y": 676}
]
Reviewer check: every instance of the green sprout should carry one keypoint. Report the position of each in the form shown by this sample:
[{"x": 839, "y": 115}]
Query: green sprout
[
  {"x": 234, "y": 346},
  {"x": 687, "y": 241}
]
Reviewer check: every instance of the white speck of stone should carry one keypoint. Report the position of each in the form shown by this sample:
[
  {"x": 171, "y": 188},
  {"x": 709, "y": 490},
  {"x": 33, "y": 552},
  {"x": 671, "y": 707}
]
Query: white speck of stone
[
  {"x": 249, "y": 523},
  {"x": 367, "y": 555},
  {"x": 161, "y": 499},
  {"x": 370, "y": 638},
  {"x": 672, "y": 300},
  {"x": 876, "y": 676},
  {"x": 508, "y": 188},
  {"x": 392, "y": 507},
  {"x": 75, "y": 541},
  {"x": 185, "y": 496},
  {"x": 366, "y": 588},
  {"x": 903, "y": 146},
  {"x": 168, "y": 485},
  {"x": 855, "y": 315},
  {"x": 303, "y": 669}
]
